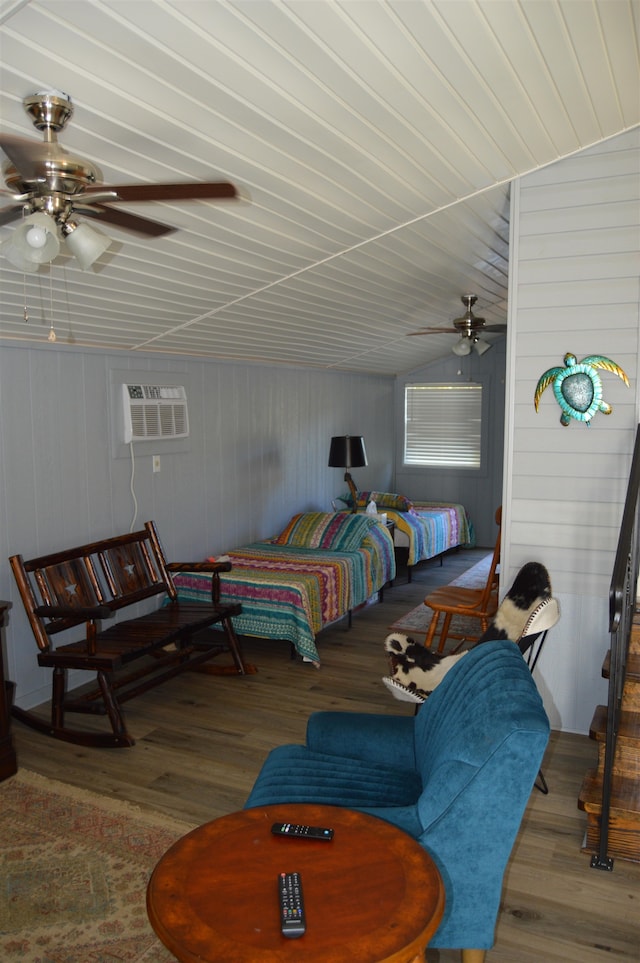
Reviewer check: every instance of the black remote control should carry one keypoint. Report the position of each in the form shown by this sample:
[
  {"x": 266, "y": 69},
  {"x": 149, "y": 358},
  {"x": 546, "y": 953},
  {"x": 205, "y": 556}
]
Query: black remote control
[
  {"x": 300, "y": 831},
  {"x": 292, "y": 921}
]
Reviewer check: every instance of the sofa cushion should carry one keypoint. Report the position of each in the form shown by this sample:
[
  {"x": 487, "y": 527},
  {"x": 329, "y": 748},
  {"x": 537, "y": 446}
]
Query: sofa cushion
[
  {"x": 295, "y": 774},
  {"x": 333, "y": 532},
  {"x": 382, "y": 739}
]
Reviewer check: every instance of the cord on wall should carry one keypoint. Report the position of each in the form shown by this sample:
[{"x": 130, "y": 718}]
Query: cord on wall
[{"x": 132, "y": 489}]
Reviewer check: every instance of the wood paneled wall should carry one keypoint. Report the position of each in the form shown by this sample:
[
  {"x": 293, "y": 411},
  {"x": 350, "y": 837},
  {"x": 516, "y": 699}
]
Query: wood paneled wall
[
  {"x": 257, "y": 453},
  {"x": 574, "y": 288}
]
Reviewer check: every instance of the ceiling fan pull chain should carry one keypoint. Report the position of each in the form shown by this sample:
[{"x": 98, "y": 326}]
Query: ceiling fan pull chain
[
  {"x": 24, "y": 297},
  {"x": 52, "y": 333}
]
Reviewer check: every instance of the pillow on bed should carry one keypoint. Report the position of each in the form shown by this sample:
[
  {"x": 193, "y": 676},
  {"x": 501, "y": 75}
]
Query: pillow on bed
[
  {"x": 331, "y": 532},
  {"x": 397, "y": 503}
]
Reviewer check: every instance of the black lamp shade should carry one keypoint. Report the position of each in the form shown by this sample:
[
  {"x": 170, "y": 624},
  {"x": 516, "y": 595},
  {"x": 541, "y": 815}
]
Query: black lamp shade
[{"x": 347, "y": 451}]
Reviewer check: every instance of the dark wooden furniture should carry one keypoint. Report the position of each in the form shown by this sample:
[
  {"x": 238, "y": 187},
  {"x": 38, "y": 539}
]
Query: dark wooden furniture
[
  {"x": 85, "y": 585},
  {"x": 8, "y": 761},
  {"x": 372, "y": 895}
]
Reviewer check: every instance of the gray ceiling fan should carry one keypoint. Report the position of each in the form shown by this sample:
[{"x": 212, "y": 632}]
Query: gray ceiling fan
[
  {"x": 48, "y": 184},
  {"x": 469, "y": 327}
]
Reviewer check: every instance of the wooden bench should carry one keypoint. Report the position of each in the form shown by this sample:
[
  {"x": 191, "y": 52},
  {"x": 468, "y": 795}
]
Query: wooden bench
[{"x": 85, "y": 585}]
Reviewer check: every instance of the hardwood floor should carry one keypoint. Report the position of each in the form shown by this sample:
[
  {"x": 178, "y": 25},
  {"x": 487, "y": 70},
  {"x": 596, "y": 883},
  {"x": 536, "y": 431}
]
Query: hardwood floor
[{"x": 201, "y": 740}]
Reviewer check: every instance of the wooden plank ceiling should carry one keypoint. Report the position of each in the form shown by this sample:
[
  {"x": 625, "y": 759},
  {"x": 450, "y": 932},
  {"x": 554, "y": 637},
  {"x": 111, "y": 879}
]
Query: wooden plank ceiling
[{"x": 373, "y": 143}]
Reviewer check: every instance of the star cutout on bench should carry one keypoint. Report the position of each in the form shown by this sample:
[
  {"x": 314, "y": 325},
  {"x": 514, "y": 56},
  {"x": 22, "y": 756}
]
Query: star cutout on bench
[{"x": 71, "y": 588}]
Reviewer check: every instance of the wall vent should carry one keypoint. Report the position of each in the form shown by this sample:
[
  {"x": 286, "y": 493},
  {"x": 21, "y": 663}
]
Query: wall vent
[{"x": 154, "y": 412}]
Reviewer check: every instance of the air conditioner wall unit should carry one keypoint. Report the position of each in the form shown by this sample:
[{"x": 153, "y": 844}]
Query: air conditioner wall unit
[{"x": 154, "y": 412}]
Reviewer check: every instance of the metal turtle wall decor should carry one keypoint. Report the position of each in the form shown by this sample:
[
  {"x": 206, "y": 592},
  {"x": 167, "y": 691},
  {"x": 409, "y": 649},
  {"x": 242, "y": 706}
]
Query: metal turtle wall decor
[{"x": 578, "y": 388}]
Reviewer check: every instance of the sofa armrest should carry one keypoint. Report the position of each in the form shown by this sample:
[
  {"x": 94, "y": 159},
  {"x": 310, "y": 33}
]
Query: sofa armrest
[{"x": 356, "y": 735}]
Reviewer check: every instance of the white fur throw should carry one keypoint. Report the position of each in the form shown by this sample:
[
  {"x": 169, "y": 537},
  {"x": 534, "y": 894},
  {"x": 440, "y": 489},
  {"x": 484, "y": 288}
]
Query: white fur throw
[
  {"x": 415, "y": 667},
  {"x": 418, "y": 670}
]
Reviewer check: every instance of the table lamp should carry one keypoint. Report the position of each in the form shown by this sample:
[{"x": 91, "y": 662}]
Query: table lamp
[{"x": 347, "y": 451}]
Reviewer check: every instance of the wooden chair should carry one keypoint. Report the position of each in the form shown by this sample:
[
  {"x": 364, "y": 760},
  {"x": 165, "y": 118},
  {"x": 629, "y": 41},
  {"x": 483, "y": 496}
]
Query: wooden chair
[{"x": 474, "y": 603}]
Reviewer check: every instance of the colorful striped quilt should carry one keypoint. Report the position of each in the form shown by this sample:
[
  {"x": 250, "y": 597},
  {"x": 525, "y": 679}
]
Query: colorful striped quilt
[
  {"x": 291, "y": 593},
  {"x": 433, "y": 528}
]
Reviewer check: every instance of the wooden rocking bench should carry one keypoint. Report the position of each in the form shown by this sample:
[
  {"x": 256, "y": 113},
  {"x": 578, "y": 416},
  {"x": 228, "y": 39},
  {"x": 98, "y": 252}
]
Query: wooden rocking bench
[{"x": 83, "y": 586}]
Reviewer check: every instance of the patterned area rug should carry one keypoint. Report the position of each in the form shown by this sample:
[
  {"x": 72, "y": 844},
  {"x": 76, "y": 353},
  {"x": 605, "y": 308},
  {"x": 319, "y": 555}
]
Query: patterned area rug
[
  {"x": 74, "y": 868},
  {"x": 416, "y": 622}
]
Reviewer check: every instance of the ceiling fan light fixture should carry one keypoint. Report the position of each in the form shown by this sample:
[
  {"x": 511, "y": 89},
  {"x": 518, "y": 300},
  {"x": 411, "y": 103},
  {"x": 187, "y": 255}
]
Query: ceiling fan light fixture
[
  {"x": 85, "y": 243},
  {"x": 18, "y": 260},
  {"x": 462, "y": 347},
  {"x": 36, "y": 239},
  {"x": 481, "y": 346}
]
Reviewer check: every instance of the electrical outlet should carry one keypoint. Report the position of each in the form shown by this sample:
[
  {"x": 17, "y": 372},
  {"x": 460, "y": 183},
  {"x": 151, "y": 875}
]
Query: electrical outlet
[{"x": 156, "y": 463}]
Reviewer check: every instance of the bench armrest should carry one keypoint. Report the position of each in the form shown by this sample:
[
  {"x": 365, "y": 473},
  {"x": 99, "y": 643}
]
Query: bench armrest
[
  {"x": 368, "y": 736},
  {"x": 214, "y": 567}
]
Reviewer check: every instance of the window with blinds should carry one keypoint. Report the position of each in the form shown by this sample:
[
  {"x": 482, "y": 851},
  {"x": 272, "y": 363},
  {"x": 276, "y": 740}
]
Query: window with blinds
[{"x": 443, "y": 425}]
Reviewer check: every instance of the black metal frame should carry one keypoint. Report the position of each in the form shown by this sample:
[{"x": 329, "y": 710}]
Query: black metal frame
[
  {"x": 531, "y": 653},
  {"x": 622, "y": 594}
]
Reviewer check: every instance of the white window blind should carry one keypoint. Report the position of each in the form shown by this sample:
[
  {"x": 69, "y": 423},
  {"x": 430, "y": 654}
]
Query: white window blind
[{"x": 443, "y": 425}]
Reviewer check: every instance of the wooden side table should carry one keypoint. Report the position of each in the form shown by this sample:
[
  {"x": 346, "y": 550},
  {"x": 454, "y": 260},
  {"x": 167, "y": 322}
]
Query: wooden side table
[
  {"x": 371, "y": 895},
  {"x": 8, "y": 761}
]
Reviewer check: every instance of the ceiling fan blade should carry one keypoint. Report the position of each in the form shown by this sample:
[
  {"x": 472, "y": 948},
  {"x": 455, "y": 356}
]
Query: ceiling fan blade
[
  {"x": 169, "y": 192},
  {"x": 468, "y": 326},
  {"x": 9, "y": 214},
  {"x": 130, "y": 222},
  {"x": 26, "y": 155},
  {"x": 413, "y": 334}
]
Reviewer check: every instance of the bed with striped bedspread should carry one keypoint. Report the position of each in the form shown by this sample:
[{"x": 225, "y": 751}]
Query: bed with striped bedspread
[
  {"x": 291, "y": 592},
  {"x": 432, "y": 528},
  {"x": 426, "y": 528}
]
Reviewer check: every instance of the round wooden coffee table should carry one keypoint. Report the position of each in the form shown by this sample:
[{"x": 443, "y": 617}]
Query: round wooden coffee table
[{"x": 371, "y": 895}]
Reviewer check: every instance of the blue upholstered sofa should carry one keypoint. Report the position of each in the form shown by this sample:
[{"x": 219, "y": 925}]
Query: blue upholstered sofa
[{"x": 457, "y": 777}]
